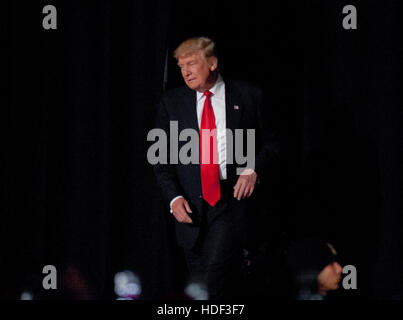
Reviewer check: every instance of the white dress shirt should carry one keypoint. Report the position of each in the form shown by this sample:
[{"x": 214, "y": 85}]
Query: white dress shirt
[{"x": 218, "y": 104}]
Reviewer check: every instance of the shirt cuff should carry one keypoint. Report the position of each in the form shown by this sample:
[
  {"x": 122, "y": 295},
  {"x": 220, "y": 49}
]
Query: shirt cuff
[{"x": 173, "y": 200}]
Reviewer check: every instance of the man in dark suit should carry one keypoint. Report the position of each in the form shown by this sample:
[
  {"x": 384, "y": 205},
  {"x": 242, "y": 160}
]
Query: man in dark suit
[{"x": 209, "y": 198}]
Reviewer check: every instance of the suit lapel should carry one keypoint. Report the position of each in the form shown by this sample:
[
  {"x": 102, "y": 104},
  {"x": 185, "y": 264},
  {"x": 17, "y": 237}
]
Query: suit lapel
[
  {"x": 233, "y": 113},
  {"x": 190, "y": 109},
  {"x": 233, "y": 106}
]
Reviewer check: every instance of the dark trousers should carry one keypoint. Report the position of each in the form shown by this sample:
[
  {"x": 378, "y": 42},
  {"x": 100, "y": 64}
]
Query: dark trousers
[{"x": 217, "y": 255}]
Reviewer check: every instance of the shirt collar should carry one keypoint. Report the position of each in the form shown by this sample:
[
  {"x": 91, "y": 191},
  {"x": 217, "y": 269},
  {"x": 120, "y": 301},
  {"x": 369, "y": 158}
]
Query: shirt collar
[{"x": 217, "y": 90}]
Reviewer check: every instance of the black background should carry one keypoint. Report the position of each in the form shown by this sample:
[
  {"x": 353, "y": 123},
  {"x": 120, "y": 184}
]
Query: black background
[{"x": 79, "y": 194}]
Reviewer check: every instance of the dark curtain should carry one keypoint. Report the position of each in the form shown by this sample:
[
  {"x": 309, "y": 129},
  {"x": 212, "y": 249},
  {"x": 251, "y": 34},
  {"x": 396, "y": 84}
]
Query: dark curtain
[
  {"x": 352, "y": 183},
  {"x": 79, "y": 193}
]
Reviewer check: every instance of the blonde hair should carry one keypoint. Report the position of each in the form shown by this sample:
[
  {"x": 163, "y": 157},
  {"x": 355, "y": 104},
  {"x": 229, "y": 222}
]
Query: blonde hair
[{"x": 203, "y": 44}]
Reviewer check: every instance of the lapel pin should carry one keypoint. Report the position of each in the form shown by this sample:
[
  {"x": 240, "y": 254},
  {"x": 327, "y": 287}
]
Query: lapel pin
[{"x": 236, "y": 107}]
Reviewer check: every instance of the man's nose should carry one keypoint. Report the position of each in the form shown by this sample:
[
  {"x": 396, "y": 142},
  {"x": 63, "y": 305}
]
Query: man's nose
[
  {"x": 339, "y": 268},
  {"x": 186, "y": 72}
]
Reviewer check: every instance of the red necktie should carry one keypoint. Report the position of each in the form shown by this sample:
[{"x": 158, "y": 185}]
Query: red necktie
[{"x": 210, "y": 177}]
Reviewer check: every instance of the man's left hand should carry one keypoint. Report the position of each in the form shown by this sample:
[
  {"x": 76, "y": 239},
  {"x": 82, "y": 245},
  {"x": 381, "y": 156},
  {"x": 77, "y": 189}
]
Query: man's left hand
[{"x": 245, "y": 184}]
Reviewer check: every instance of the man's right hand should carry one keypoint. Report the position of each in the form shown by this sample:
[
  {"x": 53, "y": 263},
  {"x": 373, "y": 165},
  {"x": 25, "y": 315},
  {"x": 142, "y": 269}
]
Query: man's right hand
[{"x": 180, "y": 210}]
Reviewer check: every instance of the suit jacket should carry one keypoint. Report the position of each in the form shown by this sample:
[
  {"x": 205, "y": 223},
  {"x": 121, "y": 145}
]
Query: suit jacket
[{"x": 180, "y": 105}]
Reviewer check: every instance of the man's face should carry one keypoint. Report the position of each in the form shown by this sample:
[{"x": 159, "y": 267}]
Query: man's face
[
  {"x": 197, "y": 71},
  {"x": 330, "y": 276}
]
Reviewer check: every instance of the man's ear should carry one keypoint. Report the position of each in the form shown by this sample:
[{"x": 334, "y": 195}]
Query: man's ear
[{"x": 213, "y": 63}]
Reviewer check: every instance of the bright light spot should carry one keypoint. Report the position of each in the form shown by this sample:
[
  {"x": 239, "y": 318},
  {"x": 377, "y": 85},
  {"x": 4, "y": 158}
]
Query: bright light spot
[
  {"x": 127, "y": 285},
  {"x": 26, "y": 296},
  {"x": 197, "y": 291}
]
